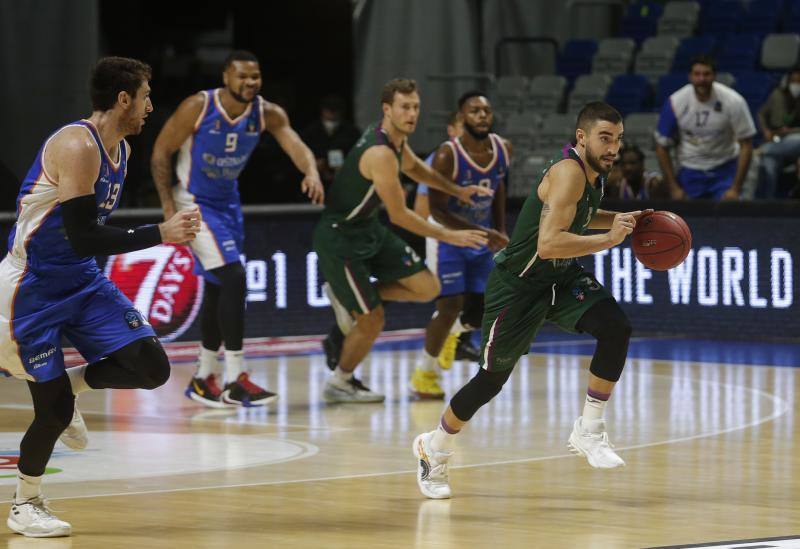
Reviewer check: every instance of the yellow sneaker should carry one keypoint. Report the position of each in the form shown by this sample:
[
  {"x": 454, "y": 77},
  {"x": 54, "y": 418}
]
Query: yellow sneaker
[
  {"x": 448, "y": 353},
  {"x": 426, "y": 385}
]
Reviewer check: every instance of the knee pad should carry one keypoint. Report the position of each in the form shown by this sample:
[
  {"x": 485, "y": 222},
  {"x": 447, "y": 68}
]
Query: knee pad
[
  {"x": 147, "y": 357},
  {"x": 607, "y": 322},
  {"x": 481, "y": 389}
]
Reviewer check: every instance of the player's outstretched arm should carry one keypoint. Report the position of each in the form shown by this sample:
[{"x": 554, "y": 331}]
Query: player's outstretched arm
[
  {"x": 604, "y": 219},
  {"x": 73, "y": 159},
  {"x": 379, "y": 164},
  {"x": 277, "y": 123},
  {"x": 420, "y": 172},
  {"x": 178, "y": 128},
  {"x": 560, "y": 192}
]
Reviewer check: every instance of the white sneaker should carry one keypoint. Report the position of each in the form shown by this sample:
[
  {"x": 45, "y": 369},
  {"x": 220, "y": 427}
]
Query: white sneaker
[
  {"x": 343, "y": 318},
  {"x": 352, "y": 390},
  {"x": 432, "y": 476},
  {"x": 592, "y": 442},
  {"x": 76, "y": 436},
  {"x": 34, "y": 519}
]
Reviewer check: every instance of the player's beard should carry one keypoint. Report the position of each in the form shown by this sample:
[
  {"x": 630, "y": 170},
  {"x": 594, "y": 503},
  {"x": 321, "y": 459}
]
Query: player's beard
[
  {"x": 595, "y": 163},
  {"x": 480, "y": 136},
  {"x": 132, "y": 125},
  {"x": 240, "y": 98}
]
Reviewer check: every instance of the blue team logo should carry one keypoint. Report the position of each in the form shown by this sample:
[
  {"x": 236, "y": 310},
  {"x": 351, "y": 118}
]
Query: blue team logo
[
  {"x": 209, "y": 158},
  {"x": 578, "y": 293},
  {"x": 133, "y": 319}
]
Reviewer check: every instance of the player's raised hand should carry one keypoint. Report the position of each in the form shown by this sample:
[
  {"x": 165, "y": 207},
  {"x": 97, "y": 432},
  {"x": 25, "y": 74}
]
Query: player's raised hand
[
  {"x": 181, "y": 227},
  {"x": 465, "y": 194},
  {"x": 466, "y": 238},
  {"x": 312, "y": 186},
  {"x": 622, "y": 226}
]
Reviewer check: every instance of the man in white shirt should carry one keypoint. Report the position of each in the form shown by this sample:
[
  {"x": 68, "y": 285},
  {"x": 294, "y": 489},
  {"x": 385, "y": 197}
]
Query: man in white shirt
[{"x": 713, "y": 130}]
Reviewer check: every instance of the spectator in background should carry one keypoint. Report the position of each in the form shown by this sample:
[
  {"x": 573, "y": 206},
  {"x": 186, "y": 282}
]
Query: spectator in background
[
  {"x": 711, "y": 126},
  {"x": 780, "y": 122},
  {"x": 330, "y": 137},
  {"x": 628, "y": 180}
]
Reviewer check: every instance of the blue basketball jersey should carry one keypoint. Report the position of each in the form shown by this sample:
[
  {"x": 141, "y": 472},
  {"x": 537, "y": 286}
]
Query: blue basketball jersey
[
  {"x": 38, "y": 236},
  {"x": 211, "y": 159},
  {"x": 467, "y": 172}
]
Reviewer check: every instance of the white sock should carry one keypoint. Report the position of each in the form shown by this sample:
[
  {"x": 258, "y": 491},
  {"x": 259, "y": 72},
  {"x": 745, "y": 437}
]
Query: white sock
[
  {"x": 593, "y": 410},
  {"x": 77, "y": 378},
  {"x": 234, "y": 365},
  {"x": 341, "y": 374},
  {"x": 28, "y": 487},
  {"x": 207, "y": 364},
  {"x": 442, "y": 441},
  {"x": 427, "y": 363},
  {"x": 457, "y": 327}
]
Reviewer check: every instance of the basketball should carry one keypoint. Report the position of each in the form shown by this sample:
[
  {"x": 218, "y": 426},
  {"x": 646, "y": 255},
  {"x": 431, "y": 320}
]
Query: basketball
[{"x": 661, "y": 240}]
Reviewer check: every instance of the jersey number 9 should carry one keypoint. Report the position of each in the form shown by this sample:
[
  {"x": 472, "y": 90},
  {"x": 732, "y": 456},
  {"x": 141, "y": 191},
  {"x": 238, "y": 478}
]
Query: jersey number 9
[{"x": 230, "y": 142}]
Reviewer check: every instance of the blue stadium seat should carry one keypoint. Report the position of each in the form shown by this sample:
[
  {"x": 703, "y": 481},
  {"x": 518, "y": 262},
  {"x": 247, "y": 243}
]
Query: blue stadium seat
[
  {"x": 576, "y": 58},
  {"x": 689, "y": 48},
  {"x": 629, "y": 93},
  {"x": 721, "y": 17},
  {"x": 762, "y": 16},
  {"x": 641, "y": 20},
  {"x": 739, "y": 52},
  {"x": 755, "y": 87},
  {"x": 669, "y": 84}
]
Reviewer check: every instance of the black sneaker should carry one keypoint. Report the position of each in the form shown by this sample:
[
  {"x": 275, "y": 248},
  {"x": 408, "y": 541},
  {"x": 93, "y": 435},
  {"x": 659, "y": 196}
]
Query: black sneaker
[
  {"x": 465, "y": 350},
  {"x": 206, "y": 392},
  {"x": 332, "y": 345},
  {"x": 244, "y": 392}
]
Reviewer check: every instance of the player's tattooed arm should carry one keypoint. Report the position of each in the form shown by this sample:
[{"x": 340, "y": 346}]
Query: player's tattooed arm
[{"x": 178, "y": 128}]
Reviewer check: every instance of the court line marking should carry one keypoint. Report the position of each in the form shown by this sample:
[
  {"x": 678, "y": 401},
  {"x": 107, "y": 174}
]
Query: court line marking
[{"x": 780, "y": 407}]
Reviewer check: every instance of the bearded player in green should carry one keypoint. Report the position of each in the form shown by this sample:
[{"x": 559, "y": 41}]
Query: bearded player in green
[
  {"x": 537, "y": 278},
  {"x": 352, "y": 244}
]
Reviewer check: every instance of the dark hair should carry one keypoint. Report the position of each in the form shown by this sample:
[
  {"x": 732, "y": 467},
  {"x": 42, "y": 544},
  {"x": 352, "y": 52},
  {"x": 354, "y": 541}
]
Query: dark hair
[
  {"x": 703, "y": 59},
  {"x": 594, "y": 112},
  {"x": 112, "y": 75},
  {"x": 238, "y": 55},
  {"x": 632, "y": 149},
  {"x": 469, "y": 95},
  {"x": 397, "y": 85}
]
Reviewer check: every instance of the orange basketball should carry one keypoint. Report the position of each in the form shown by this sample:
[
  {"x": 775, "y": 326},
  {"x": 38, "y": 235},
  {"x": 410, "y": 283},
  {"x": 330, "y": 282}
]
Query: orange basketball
[{"x": 661, "y": 240}]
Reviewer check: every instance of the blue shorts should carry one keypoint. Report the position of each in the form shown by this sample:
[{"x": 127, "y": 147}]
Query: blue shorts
[
  {"x": 708, "y": 183},
  {"x": 220, "y": 240},
  {"x": 460, "y": 270},
  {"x": 37, "y": 309}
]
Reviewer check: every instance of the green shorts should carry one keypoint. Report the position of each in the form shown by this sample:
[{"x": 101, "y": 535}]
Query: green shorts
[
  {"x": 516, "y": 308},
  {"x": 349, "y": 256}
]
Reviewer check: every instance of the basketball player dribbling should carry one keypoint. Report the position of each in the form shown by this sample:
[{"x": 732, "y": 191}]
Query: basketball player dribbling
[
  {"x": 50, "y": 284},
  {"x": 537, "y": 278}
]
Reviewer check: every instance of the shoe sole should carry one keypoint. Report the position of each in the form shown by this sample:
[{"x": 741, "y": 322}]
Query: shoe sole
[
  {"x": 206, "y": 402},
  {"x": 575, "y": 449},
  {"x": 425, "y": 396},
  {"x": 415, "y": 450},
  {"x": 19, "y": 529},
  {"x": 337, "y": 400},
  {"x": 256, "y": 404}
]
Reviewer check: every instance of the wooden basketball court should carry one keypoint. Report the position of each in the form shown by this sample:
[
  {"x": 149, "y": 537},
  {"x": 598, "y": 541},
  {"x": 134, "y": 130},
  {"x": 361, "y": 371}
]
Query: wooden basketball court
[{"x": 710, "y": 450}]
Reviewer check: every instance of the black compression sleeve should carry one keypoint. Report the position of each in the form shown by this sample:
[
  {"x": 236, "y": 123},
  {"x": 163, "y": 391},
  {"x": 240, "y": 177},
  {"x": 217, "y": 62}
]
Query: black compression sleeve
[{"x": 88, "y": 238}]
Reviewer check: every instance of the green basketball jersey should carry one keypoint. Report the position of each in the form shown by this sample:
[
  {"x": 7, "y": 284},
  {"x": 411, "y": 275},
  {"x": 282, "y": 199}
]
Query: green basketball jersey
[
  {"x": 520, "y": 257},
  {"x": 352, "y": 198}
]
